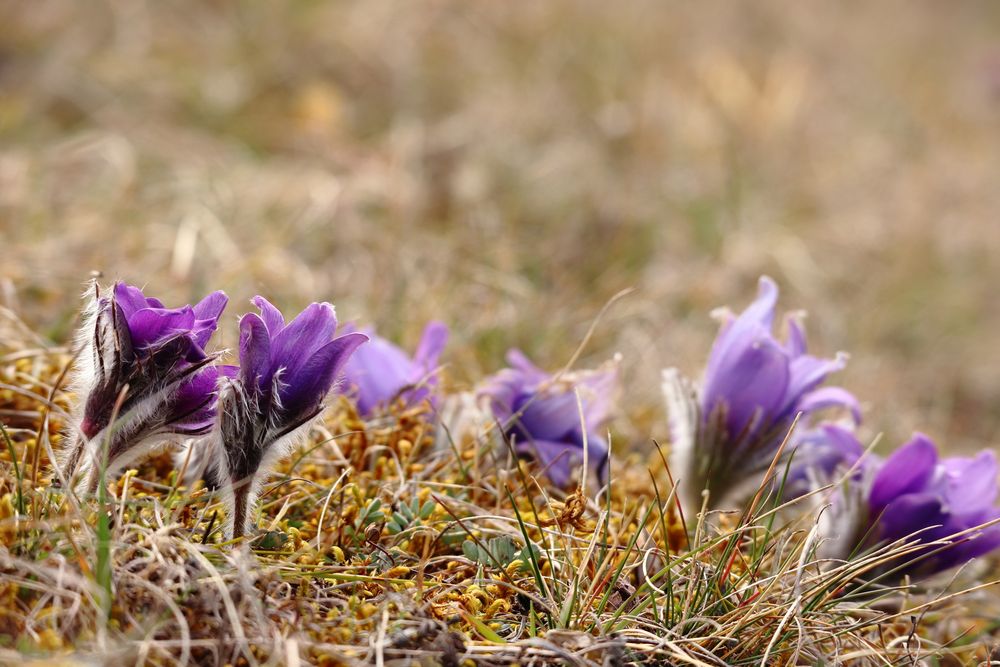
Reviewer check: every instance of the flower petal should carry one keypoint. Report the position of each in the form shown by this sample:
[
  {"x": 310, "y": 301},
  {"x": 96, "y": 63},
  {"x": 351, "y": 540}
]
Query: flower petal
[
  {"x": 192, "y": 409},
  {"x": 753, "y": 380},
  {"x": 255, "y": 353},
  {"x": 753, "y": 323},
  {"x": 597, "y": 392},
  {"x": 969, "y": 546},
  {"x": 559, "y": 459},
  {"x": 905, "y": 515},
  {"x": 549, "y": 415},
  {"x": 971, "y": 483},
  {"x": 830, "y": 397},
  {"x": 272, "y": 317},
  {"x": 432, "y": 343},
  {"x": 131, "y": 299},
  {"x": 207, "y": 313},
  {"x": 908, "y": 470},
  {"x": 211, "y": 307},
  {"x": 149, "y": 325},
  {"x": 807, "y": 373},
  {"x": 302, "y": 337},
  {"x": 519, "y": 362},
  {"x": 378, "y": 371},
  {"x": 796, "y": 343},
  {"x": 306, "y": 389}
]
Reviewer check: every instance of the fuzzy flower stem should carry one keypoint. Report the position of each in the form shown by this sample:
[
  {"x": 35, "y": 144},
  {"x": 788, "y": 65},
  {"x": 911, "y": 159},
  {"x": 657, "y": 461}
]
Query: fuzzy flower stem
[
  {"x": 286, "y": 370},
  {"x": 142, "y": 376}
]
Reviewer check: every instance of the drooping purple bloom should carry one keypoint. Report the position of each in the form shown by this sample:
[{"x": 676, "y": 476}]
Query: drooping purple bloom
[
  {"x": 286, "y": 371},
  {"x": 916, "y": 496},
  {"x": 150, "y": 358},
  {"x": 820, "y": 456},
  {"x": 915, "y": 490},
  {"x": 381, "y": 373},
  {"x": 726, "y": 435},
  {"x": 539, "y": 413}
]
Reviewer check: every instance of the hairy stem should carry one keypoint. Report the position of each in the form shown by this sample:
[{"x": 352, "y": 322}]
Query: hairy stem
[{"x": 241, "y": 510}]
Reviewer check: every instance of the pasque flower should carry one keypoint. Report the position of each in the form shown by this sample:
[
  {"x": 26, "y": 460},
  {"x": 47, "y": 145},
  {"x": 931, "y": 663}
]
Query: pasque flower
[
  {"x": 916, "y": 496},
  {"x": 540, "y": 414},
  {"x": 286, "y": 370},
  {"x": 726, "y": 435},
  {"x": 820, "y": 456},
  {"x": 145, "y": 364},
  {"x": 381, "y": 373}
]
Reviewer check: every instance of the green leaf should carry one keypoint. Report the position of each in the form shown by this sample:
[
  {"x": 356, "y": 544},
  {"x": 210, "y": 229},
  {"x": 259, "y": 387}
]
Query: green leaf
[
  {"x": 485, "y": 630},
  {"x": 471, "y": 551}
]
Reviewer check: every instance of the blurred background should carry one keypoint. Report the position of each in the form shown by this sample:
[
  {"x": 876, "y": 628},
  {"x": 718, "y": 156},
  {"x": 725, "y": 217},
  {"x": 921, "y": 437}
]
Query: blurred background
[{"x": 509, "y": 166}]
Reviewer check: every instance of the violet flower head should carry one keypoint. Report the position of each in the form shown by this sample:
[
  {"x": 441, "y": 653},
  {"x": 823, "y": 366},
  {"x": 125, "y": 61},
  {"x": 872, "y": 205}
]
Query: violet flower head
[
  {"x": 726, "y": 435},
  {"x": 540, "y": 414},
  {"x": 915, "y": 490},
  {"x": 286, "y": 370},
  {"x": 148, "y": 363},
  {"x": 820, "y": 457},
  {"x": 381, "y": 373},
  {"x": 918, "y": 497}
]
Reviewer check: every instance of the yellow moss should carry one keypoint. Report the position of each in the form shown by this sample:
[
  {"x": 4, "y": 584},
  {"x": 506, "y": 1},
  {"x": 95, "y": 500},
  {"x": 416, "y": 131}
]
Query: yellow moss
[
  {"x": 499, "y": 606},
  {"x": 404, "y": 447},
  {"x": 49, "y": 640},
  {"x": 7, "y": 509},
  {"x": 366, "y": 610}
]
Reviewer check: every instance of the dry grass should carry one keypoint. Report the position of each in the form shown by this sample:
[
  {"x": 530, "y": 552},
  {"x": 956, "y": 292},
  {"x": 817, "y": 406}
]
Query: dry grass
[
  {"x": 507, "y": 168},
  {"x": 393, "y": 543}
]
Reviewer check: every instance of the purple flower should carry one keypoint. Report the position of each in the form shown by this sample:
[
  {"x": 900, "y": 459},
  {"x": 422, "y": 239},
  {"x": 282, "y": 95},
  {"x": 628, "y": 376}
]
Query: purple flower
[
  {"x": 286, "y": 370},
  {"x": 915, "y": 494},
  {"x": 821, "y": 455},
  {"x": 381, "y": 372},
  {"x": 150, "y": 358},
  {"x": 753, "y": 388},
  {"x": 539, "y": 413}
]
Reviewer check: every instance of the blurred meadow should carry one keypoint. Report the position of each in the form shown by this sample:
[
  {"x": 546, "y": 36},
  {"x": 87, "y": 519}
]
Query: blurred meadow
[{"x": 509, "y": 167}]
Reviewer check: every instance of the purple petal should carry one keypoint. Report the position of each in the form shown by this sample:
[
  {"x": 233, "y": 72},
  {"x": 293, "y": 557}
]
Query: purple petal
[
  {"x": 131, "y": 299},
  {"x": 755, "y": 322},
  {"x": 272, "y": 317},
  {"x": 255, "y": 352},
  {"x": 431, "y": 345},
  {"x": 309, "y": 386},
  {"x": 559, "y": 459},
  {"x": 752, "y": 381},
  {"x": 501, "y": 391},
  {"x": 302, "y": 337},
  {"x": 549, "y": 415},
  {"x": 211, "y": 307},
  {"x": 905, "y": 515},
  {"x": 796, "y": 344},
  {"x": 907, "y": 470},
  {"x": 807, "y": 373},
  {"x": 830, "y": 397},
  {"x": 597, "y": 391},
  {"x": 378, "y": 370},
  {"x": 971, "y": 483},
  {"x": 150, "y": 325},
  {"x": 519, "y": 362},
  {"x": 207, "y": 313},
  {"x": 972, "y": 545},
  {"x": 193, "y": 407}
]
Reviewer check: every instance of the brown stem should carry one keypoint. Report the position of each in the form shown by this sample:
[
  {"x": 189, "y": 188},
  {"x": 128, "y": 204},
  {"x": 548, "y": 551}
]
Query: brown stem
[
  {"x": 241, "y": 496},
  {"x": 69, "y": 470},
  {"x": 93, "y": 479}
]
